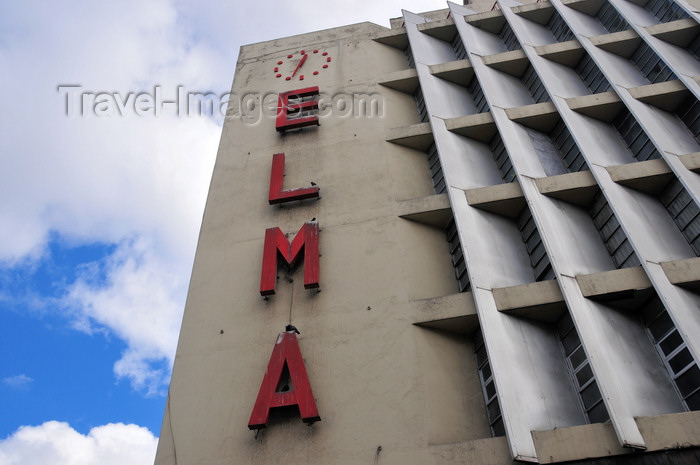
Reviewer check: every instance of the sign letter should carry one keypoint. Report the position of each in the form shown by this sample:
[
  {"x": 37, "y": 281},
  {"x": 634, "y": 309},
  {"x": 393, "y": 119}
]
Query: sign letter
[
  {"x": 275, "y": 241},
  {"x": 277, "y": 195},
  {"x": 302, "y": 103},
  {"x": 278, "y": 392}
]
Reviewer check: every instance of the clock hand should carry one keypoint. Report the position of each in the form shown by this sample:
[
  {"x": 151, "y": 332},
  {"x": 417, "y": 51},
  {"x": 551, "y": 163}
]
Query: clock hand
[{"x": 301, "y": 63}]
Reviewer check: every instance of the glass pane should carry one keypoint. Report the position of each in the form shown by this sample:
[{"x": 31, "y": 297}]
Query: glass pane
[
  {"x": 493, "y": 410},
  {"x": 693, "y": 401},
  {"x": 577, "y": 357},
  {"x": 486, "y": 371},
  {"x": 671, "y": 343},
  {"x": 584, "y": 375},
  {"x": 490, "y": 390},
  {"x": 598, "y": 414},
  {"x": 590, "y": 395},
  {"x": 661, "y": 326},
  {"x": 689, "y": 381},
  {"x": 681, "y": 360},
  {"x": 481, "y": 356},
  {"x": 570, "y": 342},
  {"x": 497, "y": 428}
]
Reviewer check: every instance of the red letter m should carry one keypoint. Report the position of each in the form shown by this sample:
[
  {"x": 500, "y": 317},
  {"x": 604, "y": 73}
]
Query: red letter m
[{"x": 276, "y": 244}]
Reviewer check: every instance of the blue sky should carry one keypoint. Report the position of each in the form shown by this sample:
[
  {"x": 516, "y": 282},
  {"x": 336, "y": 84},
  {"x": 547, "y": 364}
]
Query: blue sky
[{"x": 100, "y": 212}]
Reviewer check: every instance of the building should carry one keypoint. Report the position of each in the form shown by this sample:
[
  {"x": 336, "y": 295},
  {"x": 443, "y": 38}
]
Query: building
[{"x": 561, "y": 189}]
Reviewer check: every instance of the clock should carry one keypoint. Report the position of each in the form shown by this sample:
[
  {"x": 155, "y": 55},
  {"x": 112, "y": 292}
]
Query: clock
[{"x": 303, "y": 63}]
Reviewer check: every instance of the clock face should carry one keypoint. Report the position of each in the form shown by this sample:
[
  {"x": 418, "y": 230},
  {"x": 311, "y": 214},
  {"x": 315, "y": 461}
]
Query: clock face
[{"x": 302, "y": 64}]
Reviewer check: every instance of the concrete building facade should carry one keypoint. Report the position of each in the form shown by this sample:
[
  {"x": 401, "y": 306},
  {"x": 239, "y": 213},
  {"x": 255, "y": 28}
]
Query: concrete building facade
[{"x": 492, "y": 239}]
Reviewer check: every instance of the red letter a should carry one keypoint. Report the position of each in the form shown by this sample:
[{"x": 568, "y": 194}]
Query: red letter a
[{"x": 286, "y": 353}]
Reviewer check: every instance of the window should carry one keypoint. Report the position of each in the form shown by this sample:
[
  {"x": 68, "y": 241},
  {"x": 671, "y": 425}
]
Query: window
[
  {"x": 508, "y": 36},
  {"x": 539, "y": 260},
  {"x": 638, "y": 142},
  {"x": 591, "y": 75},
  {"x": 458, "y": 47},
  {"x": 409, "y": 57},
  {"x": 611, "y": 19},
  {"x": 684, "y": 212},
  {"x": 580, "y": 371},
  {"x": 559, "y": 28},
  {"x": 420, "y": 103},
  {"x": 436, "y": 174},
  {"x": 534, "y": 85},
  {"x": 500, "y": 156},
  {"x": 493, "y": 410},
  {"x": 611, "y": 232},
  {"x": 666, "y": 10},
  {"x": 689, "y": 112},
  {"x": 650, "y": 65},
  {"x": 568, "y": 149},
  {"x": 674, "y": 353},
  {"x": 458, "y": 262},
  {"x": 478, "y": 95}
]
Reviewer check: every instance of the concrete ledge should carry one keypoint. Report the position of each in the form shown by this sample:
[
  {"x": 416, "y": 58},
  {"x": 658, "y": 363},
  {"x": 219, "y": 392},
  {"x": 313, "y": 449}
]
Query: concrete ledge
[
  {"x": 603, "y": 106},
  {"x": 417, "y": 136},
  {"x": 491, "y": 21},
  {"x": 665, "y": 95},
  {"x": 444, "y": 29},
  {"x": 671, "y": 431},
  {"x": 567, "y": 53},
  {"x": 454, "y": 313},
  {"x": 577, "y": 188},
  {"x": 627, "y": 287},
  {"x": 397, "y": 38},
  {"x": 540, "y": 301},
  {"x": 650, "y": 176},
  {"x": 514, "y": 62},
  {"x": 403, "y": 81},
  {"x": 577, "y": 442},
  {"x": 433, "y": 210},
  {"x": 538, "y": 12},
  {"x": 590, "y": 7},
  {"x": 691, "y": 161},
  {"x": 503, "y": 199},
  {"x": 539, "y": 116},
  {"x": 684, "y": 273},
  {"x": 488, "y": 451},
  {"x": 622, "y": 43},
  {"x": 460, "y": 71},
  {"x": 680, "y": 32},
  {"x": 479, "y": 126}
]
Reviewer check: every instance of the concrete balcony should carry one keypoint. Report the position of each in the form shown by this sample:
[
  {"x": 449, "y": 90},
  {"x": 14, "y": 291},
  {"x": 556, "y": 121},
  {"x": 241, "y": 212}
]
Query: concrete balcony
[
  {"x": 433, "y": 210},
  {"x": 650, "y": 176},
  {"x": 417, "y": 136},
  {"x": 403, "y": 81},
  {"x": 460, "y": 71},
  {"x": 480, "y": 126},
  {"x": 514, "y": 62},
  {"x": 576, "y": 188},
  {"x": 444, "y": 29},
  {"x": 503, "y": 199},
  {"x": 567, "y": 53}
]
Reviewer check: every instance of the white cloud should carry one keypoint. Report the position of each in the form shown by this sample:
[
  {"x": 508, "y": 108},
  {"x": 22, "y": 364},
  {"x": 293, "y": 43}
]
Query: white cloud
[
  {"x": 135, "y": 182},
  {"x": 57, "y": 443},
  {"x": 20, "y": 381},
  {"x": 140, "y": 302}
]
